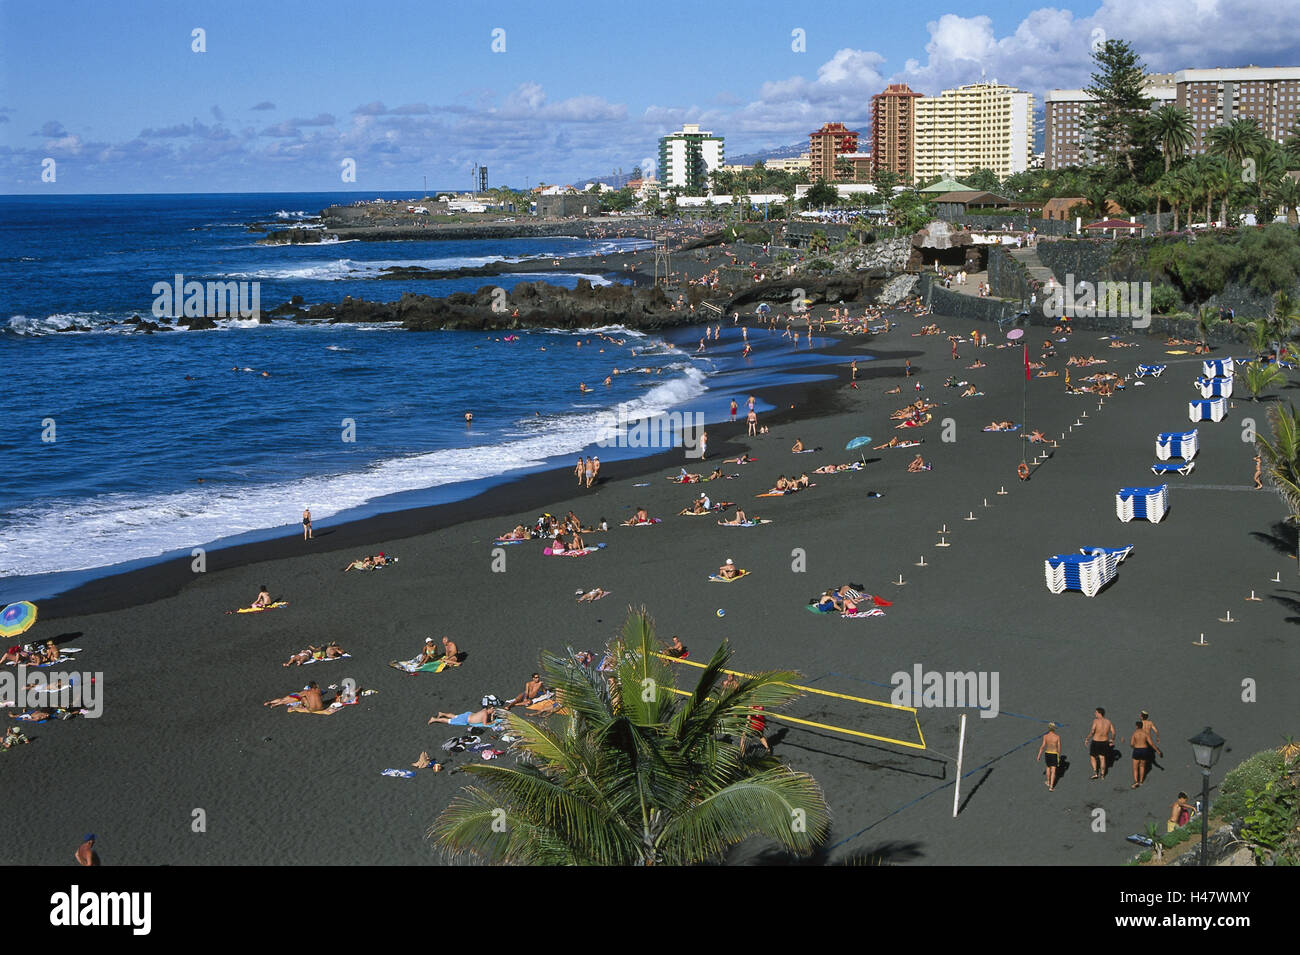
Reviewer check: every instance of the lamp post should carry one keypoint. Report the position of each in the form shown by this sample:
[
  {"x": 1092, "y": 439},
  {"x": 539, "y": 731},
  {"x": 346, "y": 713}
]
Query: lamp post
[{"x": 1205, "y": 750}]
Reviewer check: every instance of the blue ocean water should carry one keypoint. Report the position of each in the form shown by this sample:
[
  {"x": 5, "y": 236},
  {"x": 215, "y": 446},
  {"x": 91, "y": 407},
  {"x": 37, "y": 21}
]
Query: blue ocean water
[{"x": 122, "y": 447}]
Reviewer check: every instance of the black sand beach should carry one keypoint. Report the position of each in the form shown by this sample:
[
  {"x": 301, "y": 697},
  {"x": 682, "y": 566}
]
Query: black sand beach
[{"x": 183, "y": 727}]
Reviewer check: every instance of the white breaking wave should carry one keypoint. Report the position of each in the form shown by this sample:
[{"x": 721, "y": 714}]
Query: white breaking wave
[{"x": 66, "y": 535}]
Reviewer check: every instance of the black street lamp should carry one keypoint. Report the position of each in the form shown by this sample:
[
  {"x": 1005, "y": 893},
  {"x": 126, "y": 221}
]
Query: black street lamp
[{"x": 1205, "y": 750}]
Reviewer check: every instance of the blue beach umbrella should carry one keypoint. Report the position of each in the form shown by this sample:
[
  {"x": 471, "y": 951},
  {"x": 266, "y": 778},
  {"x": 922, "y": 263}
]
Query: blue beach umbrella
[
  {"x": 858, "y": 442},
  {"x": 17, "y": 618},
  {"x": 763, "y": 308}
]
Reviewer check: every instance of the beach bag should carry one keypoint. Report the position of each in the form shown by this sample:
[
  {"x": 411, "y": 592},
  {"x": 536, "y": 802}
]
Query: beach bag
[{"x": 493, "y": 701}]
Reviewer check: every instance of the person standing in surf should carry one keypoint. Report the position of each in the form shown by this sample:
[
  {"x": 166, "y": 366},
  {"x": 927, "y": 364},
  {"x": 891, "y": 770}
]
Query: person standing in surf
[{"x": 306, "y": 524}]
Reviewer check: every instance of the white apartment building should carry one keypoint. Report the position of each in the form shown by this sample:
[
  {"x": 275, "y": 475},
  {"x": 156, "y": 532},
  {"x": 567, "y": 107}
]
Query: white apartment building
[{"x": 980, "y": 126}]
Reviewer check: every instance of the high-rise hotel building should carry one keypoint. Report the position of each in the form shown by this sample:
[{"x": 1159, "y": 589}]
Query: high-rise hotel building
[
  {"x": 826, "y": 145},
  {"x": 893, "y": 127},
  {"x": 1269, "y": 95},
  {"x": 980, "y": 126},
  {"x": 1065, "y": 132},
  {"x": 686, "y": 158}
]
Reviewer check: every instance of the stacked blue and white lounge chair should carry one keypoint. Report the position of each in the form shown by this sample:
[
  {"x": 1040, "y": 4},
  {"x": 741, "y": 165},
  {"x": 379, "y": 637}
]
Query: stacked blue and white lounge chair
[
  {"x": 1215, "y": 387},
  {"x": 1142, "y": 503},
  {"x": 1086, "y": 572},
  {"x": 1218, "y": 367},
  {"x": 1155, "y": 371},
  {"x": 1207, "y": 409},
  {"x": 1176, "y": 444}
]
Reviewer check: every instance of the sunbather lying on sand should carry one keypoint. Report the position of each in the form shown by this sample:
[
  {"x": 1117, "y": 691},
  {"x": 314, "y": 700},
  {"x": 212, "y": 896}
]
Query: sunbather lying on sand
[
  {"x": 739, "y": 518},
  {"x": 1037, "y": 437},
  {"x": 836, "y": 468},
  {"x": 970, "y": 392},
  {"x": 743, "y": 459},
  {"x": 1000, "y": 426},
  {"x": 331, "y": 651},
  {"x": 481, "y": 717},
  {"x": 918, "y": 464},
  {"x": 978, "y": 364},
  {"x": 591, "y": 595},
  {"x": 897, "y": 390},
  {"x": 891, "y": 443},
  {"x": 685, "y": 478},
  {"x": 363, "y": 563},
  {"x": 520, "y": 533},
  {"x": 308, "y": 697},
  {"x": 1047, "y": 374}
]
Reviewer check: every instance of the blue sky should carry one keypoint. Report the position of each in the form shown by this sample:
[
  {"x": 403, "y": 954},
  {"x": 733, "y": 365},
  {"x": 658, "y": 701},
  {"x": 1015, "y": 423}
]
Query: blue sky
[{"x": 286, "y": 90}]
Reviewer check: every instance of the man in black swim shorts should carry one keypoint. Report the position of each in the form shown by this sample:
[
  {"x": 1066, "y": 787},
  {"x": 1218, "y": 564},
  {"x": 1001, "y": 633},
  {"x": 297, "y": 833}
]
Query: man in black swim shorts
[{"x": 1099, "y": 739}]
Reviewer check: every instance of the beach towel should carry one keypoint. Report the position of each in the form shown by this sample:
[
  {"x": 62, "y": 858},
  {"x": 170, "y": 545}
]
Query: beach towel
[
  {"x": 718, "y": 578},
  {"x": 275, "y": 606},
  {"x": 873, "y": 612},
  {"x": 399, "y": 773},
  {"x": 507, "y": 541},
  {"x": 745, "y": 523},
  {"x": 411, "y": 666},
  {"x": 807, "y": 451}
]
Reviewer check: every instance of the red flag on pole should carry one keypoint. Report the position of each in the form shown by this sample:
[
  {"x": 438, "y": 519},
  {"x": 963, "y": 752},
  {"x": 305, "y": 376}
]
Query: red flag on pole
[{"x": 1027, "y": 375}]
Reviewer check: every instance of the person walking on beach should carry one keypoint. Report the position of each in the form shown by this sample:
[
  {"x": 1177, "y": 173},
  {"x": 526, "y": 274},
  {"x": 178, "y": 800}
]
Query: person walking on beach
[
  {"x": 1142, "y": 754},
  {"x": 1152, "y": 733},
  {"x": 595, "y": 471},
  {"x": 1050, "y": 748},
  {"x": 734, "y": 409},
  {"x": 752, "y": 420},
  {"x": 853, "y": 370},
  {"x": 581, "y": 470},
  {"x": 306, "y": 524},
  {"x": 1100, "y": 738},
  {"x": 1258, "y": 485},
  {"x": 588, "y": 474}
]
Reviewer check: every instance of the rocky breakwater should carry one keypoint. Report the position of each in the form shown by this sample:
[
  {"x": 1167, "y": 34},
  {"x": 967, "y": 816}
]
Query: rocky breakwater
[{"x": 527, "y": 305}]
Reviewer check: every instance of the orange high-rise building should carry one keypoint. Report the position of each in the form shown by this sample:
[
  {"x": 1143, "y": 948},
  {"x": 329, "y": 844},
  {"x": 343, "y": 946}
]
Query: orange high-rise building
[
  {"x": 825, "y": 146},
  {"x": 893, "y": 130}
]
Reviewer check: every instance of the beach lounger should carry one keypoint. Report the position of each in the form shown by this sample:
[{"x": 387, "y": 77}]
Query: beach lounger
[
  {"x": 1166, "y": 467},
  {"x": 1177, "y": 444},
  {"x": 1142, "y": 503},
  {"x": 1215, "y": 387},
  {"x": 1154, "y": 371},
  {"x": 1120, "y": 552},
  {"x": 1218, "y": 367},
  {"x": 1082, "y": 572},
  {"x": 1207, "y": 409}
]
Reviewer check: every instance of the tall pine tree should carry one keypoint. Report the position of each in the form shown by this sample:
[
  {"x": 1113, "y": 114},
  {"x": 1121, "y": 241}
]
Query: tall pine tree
[{"x": 1118, "y": 116}]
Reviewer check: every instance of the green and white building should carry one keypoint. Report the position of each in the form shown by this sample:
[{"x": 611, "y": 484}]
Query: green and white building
[{"x": 686, "y": 158}]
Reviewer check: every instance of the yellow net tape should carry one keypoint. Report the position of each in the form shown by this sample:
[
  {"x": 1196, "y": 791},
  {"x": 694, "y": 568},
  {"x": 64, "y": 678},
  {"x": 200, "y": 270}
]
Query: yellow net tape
[{"x": 825, "y": 726}]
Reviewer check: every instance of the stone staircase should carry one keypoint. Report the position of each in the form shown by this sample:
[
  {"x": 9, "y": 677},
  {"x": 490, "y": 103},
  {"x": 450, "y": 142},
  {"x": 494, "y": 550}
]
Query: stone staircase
[{"x": 1032, "y": 264}]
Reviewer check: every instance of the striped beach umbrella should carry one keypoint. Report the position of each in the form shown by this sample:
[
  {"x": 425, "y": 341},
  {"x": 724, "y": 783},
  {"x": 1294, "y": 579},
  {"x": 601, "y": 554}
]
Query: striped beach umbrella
[{"x": 17, "y": 618}]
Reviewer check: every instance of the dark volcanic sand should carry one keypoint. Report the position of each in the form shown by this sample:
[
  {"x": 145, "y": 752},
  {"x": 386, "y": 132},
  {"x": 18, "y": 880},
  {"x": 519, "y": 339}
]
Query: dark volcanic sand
[{"x": 183, "y": 727}]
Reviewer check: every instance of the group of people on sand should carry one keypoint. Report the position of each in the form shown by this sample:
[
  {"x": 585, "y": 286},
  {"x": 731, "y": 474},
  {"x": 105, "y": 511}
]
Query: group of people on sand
[
  {"x": 310, "y": 700},
  {"x": 588, "y": 471},
  {"x": 1144, "y": 742},
  {"x": 331, "y": 651},
  {"x": 786, "y": 485},
  {"x": 371, "y": 562},
  {"x": 549, "y": 527},
  {"x": 32, "y": 654},
  {"x": 846, "y": 599}
]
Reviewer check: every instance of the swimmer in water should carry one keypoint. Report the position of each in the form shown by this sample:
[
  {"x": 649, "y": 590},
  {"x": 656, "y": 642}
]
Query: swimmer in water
[{"x": 469, "y": 417}]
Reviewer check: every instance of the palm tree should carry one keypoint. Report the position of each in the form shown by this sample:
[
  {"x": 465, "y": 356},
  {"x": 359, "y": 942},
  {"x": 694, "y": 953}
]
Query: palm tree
[
  {"x": 1260, "y": 377},
  {"x": 1206, "y": 319},
  {"x": 1286, "y": 193},
  {"x": 1172, "y": 126},
  {"x": 1235, "y": 141},
  {"x": 1292, "y": 146},
  {"x": 1281, "y": 460},
  {"x": 636, "y": 772}
]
